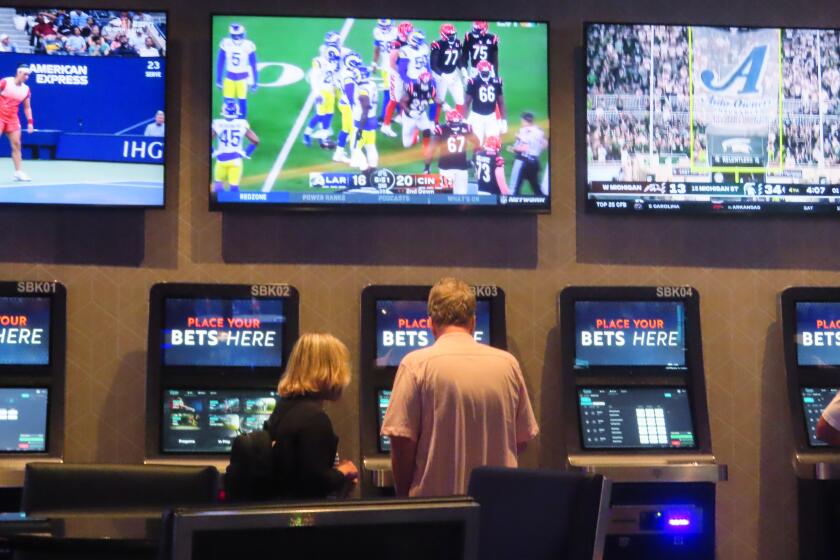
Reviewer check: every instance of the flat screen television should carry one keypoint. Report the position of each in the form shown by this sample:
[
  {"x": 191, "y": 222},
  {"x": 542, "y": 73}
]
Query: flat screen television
[
  {"x": 383, "y": 399},
  {"x": 25, "y": 330},
  {"x": 223, "y": 332},
  {"x": 24, "y": 413},
  {"x": 352, "y": 112},
  {"x": 818, "y": 334},
  {"x": 83, "y": 103},
  {"x": 636, "y": 418},
  {"x": 814, "y": 401},
  {"x": 403, "y": 326},
  {"x": 207, "y": 421},
  {"x": 684, "y": 118},
  {"x": 630, "y": 334}
]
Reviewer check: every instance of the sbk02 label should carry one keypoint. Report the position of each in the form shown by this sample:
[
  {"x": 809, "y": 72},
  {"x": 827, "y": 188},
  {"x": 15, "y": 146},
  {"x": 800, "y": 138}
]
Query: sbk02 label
[{"x": 271, "y": 290}]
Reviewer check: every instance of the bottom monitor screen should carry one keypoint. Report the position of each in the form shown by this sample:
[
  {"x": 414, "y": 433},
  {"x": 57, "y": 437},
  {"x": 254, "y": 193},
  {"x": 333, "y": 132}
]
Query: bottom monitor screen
[
  {"x": 207, "y": 421},
  {"x": 814, "y": 401},
  {"x": 23, "y": 420},
  {"x": 635, "y": 418},
  {"x": 383, "y": 398}
]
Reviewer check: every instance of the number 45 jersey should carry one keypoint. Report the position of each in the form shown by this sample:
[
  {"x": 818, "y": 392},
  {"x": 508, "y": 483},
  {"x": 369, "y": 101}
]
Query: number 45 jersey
[{"x": 229, "y": 137}]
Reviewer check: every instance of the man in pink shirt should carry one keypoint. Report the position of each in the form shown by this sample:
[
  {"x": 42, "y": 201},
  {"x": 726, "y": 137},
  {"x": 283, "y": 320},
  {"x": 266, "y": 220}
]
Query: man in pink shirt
[{"x": 455, "y": 405}]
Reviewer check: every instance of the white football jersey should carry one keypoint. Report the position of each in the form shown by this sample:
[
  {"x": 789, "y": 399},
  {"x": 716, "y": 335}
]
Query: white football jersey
[
  {"x": 236, "y": 56},
  {"x": 230, "y": 136},
  {"x": 323, "y": 73},
  {"x": 384, "y": 40},
  {"x": 418, "y": 59},
  {"x": 369, "y": 89}
]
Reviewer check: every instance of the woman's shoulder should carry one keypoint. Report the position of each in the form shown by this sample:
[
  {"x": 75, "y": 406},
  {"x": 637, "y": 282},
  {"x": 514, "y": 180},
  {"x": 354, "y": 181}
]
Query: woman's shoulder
[{"x": 300, "y": 409}]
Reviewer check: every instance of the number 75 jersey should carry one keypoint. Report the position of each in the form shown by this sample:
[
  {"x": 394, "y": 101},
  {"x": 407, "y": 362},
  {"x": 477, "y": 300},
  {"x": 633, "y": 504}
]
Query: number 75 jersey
[{"x": 230, "y": 134}]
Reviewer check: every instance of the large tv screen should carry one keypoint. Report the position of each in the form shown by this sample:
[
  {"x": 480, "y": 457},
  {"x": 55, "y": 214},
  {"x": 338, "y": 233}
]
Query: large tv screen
[
  {"x": 315, "y": 112},
  {"x": 82, "y": 106},
  {"x": 403, "y": 326},
  {"x": 630, "y": 334},
  {"x": 24, "y": 331},
  {"x": 712, "y": 119},
  {"x": 818, "y": 334},
  {"x": 216, "y": 332},
  {"x": 207, "y": 421}
]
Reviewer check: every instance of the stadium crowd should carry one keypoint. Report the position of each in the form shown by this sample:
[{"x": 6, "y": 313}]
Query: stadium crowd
[{"x": 93, "y": 32}]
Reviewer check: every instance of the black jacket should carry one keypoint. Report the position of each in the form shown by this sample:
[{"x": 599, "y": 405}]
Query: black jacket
[{"x": 304, "y": 452}]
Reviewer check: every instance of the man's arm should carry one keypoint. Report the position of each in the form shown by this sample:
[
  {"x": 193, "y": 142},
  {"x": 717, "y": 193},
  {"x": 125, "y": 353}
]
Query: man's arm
[
  {"x": 403, "y": 455},
  {"x": 827, "y": 433}
]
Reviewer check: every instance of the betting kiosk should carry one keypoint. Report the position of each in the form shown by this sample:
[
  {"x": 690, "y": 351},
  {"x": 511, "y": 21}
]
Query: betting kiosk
[
  {"x": 395, "y": 321},
  {"x": 216, "y": 353},
  {"x": 32, "y": 359},
  {"x": 810, "y": 319},
  {"x": 636, "y": 413}
]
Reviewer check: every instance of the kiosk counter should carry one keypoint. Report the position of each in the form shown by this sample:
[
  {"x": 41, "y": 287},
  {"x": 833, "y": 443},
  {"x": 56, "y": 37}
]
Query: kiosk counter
[
  {"x": 216, "y": 353},
  {"x": 33, "y": 321},
  {"x": 636, "y": 413}
]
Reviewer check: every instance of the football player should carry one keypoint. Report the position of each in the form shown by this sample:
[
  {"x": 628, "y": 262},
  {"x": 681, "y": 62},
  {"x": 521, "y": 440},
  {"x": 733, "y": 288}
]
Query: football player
[
  {"x": 348, "y": 77},
  {"x": 448, "y": 63},
  {"x": 365, "y": 122},
  {"x": 230, "y": 133},
  {"x": 397, "y": 87},
  {"x": 384, "y": 36},
  {"x": 450, "y": 139},
  {"x": 322, "y": 78},
  {"x": 480, "y": 44},
  {"x": 485, "y": 100},
  {"x": 236, "y": 68},
  {"x": 489, "y": 168},
  {"x": 415, "y": 105}
]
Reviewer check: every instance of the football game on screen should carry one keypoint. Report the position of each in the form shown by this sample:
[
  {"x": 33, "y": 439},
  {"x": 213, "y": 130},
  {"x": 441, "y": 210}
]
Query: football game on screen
[
  {"x": 335, "y": 111},
  {"x": 82, "y": 106},
  {"x": 712, "y": 119}
]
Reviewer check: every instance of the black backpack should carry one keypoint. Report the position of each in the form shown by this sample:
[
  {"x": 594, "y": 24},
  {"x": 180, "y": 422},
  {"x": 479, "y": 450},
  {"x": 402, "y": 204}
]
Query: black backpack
[{"x": 251, "y": 475}]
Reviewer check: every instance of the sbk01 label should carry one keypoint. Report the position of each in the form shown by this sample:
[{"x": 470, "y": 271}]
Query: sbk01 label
[
  {"x": 271, "y": 290},
  {"x": 485, "y": 290},
  {"x": 36, "y": 287},
  {"x": 674, "y": 291}
]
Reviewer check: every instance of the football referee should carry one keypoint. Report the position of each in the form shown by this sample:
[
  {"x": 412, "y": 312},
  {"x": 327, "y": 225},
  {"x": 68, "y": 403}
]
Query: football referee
[{"x": 530, "y": 142}]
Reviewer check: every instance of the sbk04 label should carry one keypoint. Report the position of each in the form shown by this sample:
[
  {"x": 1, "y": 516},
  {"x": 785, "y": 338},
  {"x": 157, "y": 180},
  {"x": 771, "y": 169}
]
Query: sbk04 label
[
  {"x": 36, "y": 287},
  {"x": 271, "y": 290},
  {"x": 485, "y": 290},
  {"x": 674, "y": 291}
]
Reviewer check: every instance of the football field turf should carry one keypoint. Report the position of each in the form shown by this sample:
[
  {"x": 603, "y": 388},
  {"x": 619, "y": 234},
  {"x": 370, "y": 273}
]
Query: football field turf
[
  {"x": 83, "y": 182},
  {"x": 274, "y": 111}
]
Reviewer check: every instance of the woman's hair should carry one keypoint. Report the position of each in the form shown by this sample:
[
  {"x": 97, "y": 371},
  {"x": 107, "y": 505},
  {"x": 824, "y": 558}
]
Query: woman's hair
[
  {"x": 451, "y": 302},
  {"x": 319, "y": 367}
]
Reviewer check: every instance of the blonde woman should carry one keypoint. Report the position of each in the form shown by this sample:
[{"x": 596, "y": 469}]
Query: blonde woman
[{"x": 304, "y": 441}]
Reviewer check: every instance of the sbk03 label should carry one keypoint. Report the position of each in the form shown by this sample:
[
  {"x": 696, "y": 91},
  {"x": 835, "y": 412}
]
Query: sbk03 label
[
  {"x": 37, "y": 287},
  {"x": 674, "y": 291},
  {"x": 271, "y": 290},
  {"x": 485, "y": 290}
]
